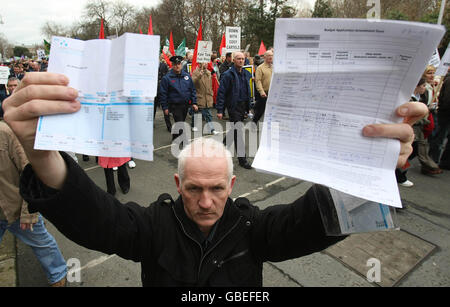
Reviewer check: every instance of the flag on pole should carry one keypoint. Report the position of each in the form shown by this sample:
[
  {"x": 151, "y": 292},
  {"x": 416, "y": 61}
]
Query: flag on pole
[
  {"x": 262, "y": 48},
  {"x": 150, "y": 26},
  {"x": 171, "y": 46},
  {"x": 181, "y": 50},
  {"x": 47, "y": 46},
  {"x": 102, "y": 31},
  {"x": 167, "y": 59},
  {"x": 199, "y": 38},
  {"x": 223, "y": 44}
]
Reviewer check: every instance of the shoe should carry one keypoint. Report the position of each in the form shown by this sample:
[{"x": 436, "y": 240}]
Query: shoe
[
  {"x": 431, "y": 171},
  {"x": 214, "y": 132},
  {"x": 195, "y": 129},
  {"x": 115, "y": 168},
  {"x": 126, "y": 190},
  {"x": 59, "y": 284},
  {"x": 131, "y": 164},
  {"x": 407, "y": 184},
  {"x": 245, "y": 165}
]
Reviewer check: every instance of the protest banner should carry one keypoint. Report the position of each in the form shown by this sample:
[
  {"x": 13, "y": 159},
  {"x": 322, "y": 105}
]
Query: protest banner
[
  {"x": 250, "y": 69},
  {"x": 4, "y": 74},
  {"x": 233, "y": 39},
  {"x": 41, "y": 54},
  {"x": 445, "y": 63},
  {"x": 435, "y": 59},
  {"x": 204, "y": 52}
]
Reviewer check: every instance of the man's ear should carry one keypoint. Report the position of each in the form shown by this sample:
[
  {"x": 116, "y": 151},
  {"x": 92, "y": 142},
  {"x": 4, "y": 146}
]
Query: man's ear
[
  {"x": 178, "y": 182},
  {"x": 233, "y": 180}
]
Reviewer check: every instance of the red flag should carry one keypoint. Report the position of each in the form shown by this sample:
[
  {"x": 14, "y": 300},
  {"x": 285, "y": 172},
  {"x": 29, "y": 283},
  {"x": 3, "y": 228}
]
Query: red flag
[
  {"x": 167, "y": 59},
  {"x": 150, "y": 26},
  {"x": 262, "y": 48},
  {"x": 171, "y": 46},
  {"x": 140, "y": 30},
  {"x": 199, "y": 38},
  {"x": 223, "y": 44},
  {"x": 102, "y": 31}
]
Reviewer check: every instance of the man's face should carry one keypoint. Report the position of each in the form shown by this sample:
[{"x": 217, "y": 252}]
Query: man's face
[
  {"x": 239, "y": 60},
  {"x": 176, "y": 67},
  {"x": 12, "y": 84},
  {"x": 205, "y": 189},
  {"x": 16, "y": 69},
  {"x": 268, "y": 58}
]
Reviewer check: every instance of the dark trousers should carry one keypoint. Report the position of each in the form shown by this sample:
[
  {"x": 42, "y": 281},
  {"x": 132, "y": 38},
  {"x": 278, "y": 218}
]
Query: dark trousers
[
  {"x": 437, "y": 141},
  {"x": 122, "y": 176},
  {"x": 259, "y": 108},
  {"x": 179, "y": 112},
  {"x": 166, "y": 117},
  {"x": 237, "y": 116}
]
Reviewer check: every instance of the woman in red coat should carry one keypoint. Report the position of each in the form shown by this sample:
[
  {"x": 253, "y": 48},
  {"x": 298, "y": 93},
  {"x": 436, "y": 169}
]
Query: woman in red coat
[{"x": 122, "y": 174}]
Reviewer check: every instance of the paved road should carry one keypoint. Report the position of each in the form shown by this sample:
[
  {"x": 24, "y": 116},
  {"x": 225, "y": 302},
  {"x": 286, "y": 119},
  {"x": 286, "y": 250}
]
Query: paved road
[{"x": 427, "y": 216}]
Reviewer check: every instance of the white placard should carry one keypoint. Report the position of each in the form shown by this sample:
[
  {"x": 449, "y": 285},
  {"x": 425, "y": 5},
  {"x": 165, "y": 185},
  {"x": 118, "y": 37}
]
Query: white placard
[
  {"x": 435, "y": 59},
  {"x": 4, "y": 74},
  {"x": 233, "y": 39},
  {"x": 445, "y": 63},
  {"x": 40, "y": 54},
  {"x": 204, "y": 51}
]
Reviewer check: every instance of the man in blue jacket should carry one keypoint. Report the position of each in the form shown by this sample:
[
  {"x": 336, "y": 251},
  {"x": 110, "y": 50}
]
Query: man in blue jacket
[
  {"x": 234, "y": 94},
  {"x": 177, "y": 93}
]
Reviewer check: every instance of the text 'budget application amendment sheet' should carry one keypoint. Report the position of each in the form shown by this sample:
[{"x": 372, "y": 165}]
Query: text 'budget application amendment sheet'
[
  {"x": 116, "y": 82},
  {"x": 331, "y": 78}
]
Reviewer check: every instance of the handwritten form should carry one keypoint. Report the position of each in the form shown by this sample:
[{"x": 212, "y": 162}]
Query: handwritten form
[
  {"x": 117, "y": 82},
  {"x": 331, "y": 78}
]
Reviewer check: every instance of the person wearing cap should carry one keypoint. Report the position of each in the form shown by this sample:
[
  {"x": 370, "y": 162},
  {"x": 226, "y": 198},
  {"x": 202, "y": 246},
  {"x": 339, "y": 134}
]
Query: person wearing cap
[{"x": 177, "y": 93}]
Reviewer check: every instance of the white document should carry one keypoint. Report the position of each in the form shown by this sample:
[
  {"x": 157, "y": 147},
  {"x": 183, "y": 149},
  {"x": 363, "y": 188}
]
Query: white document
[
  {"x": 331, "y": 78},
  {"x": 359, "y": 215},
  {"x": 117, "y": 82}
]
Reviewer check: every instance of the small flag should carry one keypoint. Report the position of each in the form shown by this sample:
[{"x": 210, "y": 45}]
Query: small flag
[
  {"x": 223, "y": 44},
  {"x": 171, "y": 46},
  {"x": 167, "y": 59},
  {"x": 47, "y": 46},
  {"x": 150, "y": 26},
  {"x": 181, "y": 50},
  {"x": 102, "y": 31},
  {"x": 262, "y": 48},
  {"x": 199, "y": 38}
]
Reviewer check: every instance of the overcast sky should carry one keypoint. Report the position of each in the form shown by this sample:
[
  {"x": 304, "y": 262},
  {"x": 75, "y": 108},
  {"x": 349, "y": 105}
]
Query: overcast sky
[{"x": 23, "y": 19}]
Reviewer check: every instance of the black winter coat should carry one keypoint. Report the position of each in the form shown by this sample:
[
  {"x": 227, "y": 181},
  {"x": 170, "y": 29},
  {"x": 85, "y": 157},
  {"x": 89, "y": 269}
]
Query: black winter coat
[{"x": 168, "y": 244}]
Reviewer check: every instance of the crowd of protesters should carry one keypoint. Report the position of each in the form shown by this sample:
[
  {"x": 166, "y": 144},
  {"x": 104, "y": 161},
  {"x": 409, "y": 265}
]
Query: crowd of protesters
[{"x": 431, "y": 145}]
